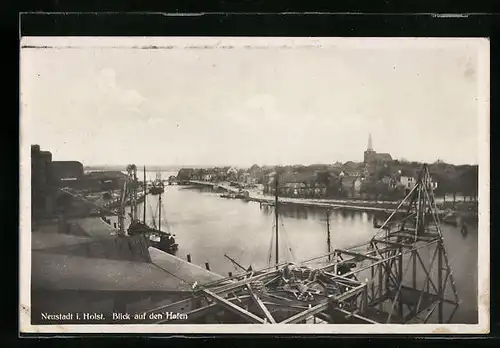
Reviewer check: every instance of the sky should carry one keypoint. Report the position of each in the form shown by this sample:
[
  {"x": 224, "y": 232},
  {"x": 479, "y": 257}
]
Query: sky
[{"x": 190, "y": 101}]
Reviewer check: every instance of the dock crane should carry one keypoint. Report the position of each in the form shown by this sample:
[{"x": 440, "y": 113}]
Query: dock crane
[{"x": 128, "y": 191}]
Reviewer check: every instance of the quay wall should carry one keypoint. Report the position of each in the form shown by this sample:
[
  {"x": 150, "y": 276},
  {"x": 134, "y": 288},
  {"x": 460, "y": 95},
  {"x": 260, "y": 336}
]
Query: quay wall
[{"x": 352, "y": 205}]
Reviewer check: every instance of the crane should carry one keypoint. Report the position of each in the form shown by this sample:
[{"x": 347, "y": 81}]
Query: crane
[{"x": 129, "y": 190}]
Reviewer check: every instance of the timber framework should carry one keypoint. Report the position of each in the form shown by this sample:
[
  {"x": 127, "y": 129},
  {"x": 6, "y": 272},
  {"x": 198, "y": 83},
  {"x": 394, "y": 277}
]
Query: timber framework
[{"x": 402, "y": 275}]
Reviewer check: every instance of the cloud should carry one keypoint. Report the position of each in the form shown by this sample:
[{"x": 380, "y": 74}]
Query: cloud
[{"x": 115, "y": 94}]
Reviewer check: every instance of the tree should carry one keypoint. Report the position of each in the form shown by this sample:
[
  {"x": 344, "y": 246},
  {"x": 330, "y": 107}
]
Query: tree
[
  {"x": 381, "y": 190},
  {"x": 381, "y": 172},
  {"x": 254, "y": 168},
  {"x": 369, "y": 188},
  {"x": 468, "y": 181},
  {"x": 323, "y": 177}
]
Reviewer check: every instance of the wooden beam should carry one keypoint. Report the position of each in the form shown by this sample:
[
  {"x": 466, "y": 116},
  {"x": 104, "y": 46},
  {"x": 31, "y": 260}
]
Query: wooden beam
[
  {"x": 199, "y": 312},
  {"x": 355, "y": 254},
  {"x": 303, "y": 315},
  {"x": 323, "y": 305},
  {"x": 234, "y": 308},
  {"x": 224, "y": 289},
  {"x": 287, "y": 306},
  {"x": 325, "y": 317},
  {"x": 261, "y": 305},
  {"x": 394, "y": 244},
  {"x": 341, "y": 278},
  {"x": 349, "y": 314},
  {"x": 348, "y": 294}
]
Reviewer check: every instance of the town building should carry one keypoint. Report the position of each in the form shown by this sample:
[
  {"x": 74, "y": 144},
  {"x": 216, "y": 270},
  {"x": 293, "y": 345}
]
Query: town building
[
  {"x": 351, "y": 185},
  {"x": 372, "y": 157},
  {"x": 184, "y": 175},
  {"x": 104, "y": 181},
  {"x": 42, "y": 185},
  {"x": 232, "y": 173},
  {"x": 353, "y": 169},
  {"x": 407, "y": 181},
  {"x": 64, "y": 172}
]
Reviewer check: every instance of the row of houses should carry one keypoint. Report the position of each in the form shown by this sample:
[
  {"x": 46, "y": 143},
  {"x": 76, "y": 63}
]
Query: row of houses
[
  {"x": 344, "y": 184},
  {"x": 350, "y": 179},
  {"x": 217, "y": 174}
]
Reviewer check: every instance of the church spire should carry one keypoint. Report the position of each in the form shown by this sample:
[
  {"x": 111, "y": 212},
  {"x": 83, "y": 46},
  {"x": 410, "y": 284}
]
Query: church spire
[{"x": 370, "y": 146}]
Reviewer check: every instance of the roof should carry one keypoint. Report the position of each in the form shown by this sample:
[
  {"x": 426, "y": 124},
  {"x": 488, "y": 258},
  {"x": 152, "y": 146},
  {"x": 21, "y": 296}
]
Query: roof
[
  {"x": 296, "y": 177},
  {"x": 384, "y": 157},
  {"x": 67, "y": 272},
  {"x": 48, "y": 240},
  {"x": 57, "y": 264},
  {"x": 182, "y": 269},
  {"x": 350, "y": 165},
  {"x": 94, "y": 227},
  {"x": 65, "y": 163},
  {"x": 106, "y": 175},
  {"x": 408, "y": 172}
]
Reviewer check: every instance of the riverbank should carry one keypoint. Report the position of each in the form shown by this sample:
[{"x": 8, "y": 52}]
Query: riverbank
[
  {"x": 308, "y": 202},
  {"x": 463, "y": 210}
]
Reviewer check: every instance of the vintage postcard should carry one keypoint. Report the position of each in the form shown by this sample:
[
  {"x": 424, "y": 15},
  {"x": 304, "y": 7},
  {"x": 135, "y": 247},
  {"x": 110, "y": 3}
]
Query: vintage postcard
[{"x": 254, "y": 185}]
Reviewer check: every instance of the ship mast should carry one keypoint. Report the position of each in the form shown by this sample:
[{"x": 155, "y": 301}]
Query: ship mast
[
  {"x": 277, "y": 217},
  {"x": 144, "y": 190},
  {"x": 328, "y": 241},
  {"x": 159, "y": 212},
  {"x": 132, "y": 190}
]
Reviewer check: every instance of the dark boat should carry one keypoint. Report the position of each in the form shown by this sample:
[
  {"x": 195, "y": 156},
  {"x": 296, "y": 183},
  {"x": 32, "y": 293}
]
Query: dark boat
[
  {"x": 157, "y": 187},
  {"x": 159, "y": 239},
  {"x": 235, "y": 195},
  {"x": 450, "y": 219}
]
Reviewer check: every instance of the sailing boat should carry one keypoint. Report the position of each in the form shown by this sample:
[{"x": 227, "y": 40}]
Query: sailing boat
[
  {"x": 158, "y": 187},
  {"x": 159, "y": 239}
]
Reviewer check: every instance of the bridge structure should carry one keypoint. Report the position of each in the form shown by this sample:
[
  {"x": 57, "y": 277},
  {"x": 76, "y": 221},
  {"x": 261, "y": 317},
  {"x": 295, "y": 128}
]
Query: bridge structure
[
  {"x": 224, "y": 186},
  {"x": 401, "y": 275}
]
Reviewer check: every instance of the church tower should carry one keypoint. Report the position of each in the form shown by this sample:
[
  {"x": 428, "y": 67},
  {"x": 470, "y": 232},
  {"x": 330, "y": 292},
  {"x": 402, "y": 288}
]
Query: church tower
[{"x": 370, "y": 155}]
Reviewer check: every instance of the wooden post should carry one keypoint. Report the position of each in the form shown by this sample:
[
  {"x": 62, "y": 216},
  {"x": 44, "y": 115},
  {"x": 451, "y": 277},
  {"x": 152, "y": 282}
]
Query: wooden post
[
  {"x": 207, "y": 266},
  {"x": 328, "y": 241},
  {"x": 144, "y": 188},
  {"x": 381, "y": 285},
  {"x": 372, "y": 271},
  {"x": 276, "y": 213},
  {"x": 400, "y": 280},
  {"x": 440, "y": 283},
  {"x": 188, "y": 257},
  {"x": 414, "y": 270},
  {"x": 364, "y": 300}
]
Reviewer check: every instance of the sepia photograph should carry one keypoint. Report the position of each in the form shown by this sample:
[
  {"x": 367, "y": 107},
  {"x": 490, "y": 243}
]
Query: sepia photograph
[{"x": 254, "y": 185}]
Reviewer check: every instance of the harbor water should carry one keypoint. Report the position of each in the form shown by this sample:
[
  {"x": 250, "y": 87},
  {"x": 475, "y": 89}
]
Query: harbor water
[{"x": 207, "y": 227}]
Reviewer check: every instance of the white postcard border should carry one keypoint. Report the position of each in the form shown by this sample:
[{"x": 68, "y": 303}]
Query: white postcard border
[{"x": 483, "y": 325}]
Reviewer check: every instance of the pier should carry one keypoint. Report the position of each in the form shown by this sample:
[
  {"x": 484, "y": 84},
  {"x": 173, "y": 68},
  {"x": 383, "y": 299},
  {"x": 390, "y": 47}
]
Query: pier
[
  {"x": 253, "y": 196},
  {"x": 222, "y": 185}
]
